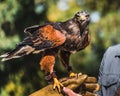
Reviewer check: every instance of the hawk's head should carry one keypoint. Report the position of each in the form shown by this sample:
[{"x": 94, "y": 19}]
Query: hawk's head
[{"x": 82, "y": 17}]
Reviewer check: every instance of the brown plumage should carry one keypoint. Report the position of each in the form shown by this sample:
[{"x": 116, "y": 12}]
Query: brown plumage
[{"x": 66, "y": 37}]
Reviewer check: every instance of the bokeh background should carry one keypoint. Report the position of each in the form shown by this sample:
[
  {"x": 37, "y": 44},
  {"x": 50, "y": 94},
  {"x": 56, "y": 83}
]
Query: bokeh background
[{"x": 20, "y": 77}]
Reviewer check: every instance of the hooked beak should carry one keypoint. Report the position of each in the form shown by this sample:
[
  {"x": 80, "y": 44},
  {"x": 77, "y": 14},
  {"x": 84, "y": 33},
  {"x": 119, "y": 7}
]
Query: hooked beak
[{"x": 82, "y": 18}]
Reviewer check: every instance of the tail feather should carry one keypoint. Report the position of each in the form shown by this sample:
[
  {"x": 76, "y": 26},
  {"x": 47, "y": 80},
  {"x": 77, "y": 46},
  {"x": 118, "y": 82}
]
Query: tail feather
[{"x": 19, "y": 51}]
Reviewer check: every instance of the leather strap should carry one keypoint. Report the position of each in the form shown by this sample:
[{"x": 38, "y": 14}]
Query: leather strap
[{"x": 50, "y": 76}]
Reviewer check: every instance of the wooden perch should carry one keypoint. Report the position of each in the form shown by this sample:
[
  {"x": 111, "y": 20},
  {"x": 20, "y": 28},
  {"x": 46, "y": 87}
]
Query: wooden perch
[{"x": 71, "y": 83}]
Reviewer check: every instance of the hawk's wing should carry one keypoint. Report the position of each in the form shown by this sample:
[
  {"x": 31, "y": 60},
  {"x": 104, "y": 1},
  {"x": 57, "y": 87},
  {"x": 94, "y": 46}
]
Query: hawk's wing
[
  {"x": 45, "y": 37},
  {"x": 40, "y": 38}
]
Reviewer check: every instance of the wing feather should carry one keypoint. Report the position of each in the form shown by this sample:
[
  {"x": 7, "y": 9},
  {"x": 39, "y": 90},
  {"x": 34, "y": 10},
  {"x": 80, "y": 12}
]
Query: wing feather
[
  {"x": 31, "y": 29},
  {"x": 47, "y": 37}
]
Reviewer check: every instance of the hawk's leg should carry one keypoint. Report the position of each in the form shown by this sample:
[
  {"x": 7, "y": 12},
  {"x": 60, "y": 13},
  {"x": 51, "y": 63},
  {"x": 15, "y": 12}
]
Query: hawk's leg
[
  {"x": 65, "y": 56},
  {"x": 47, "y": 64}
]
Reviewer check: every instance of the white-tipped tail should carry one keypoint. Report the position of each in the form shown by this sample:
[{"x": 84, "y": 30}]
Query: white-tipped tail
[
  {"x": 19, "y": 51},
  {"x": 4, "y": 55}
]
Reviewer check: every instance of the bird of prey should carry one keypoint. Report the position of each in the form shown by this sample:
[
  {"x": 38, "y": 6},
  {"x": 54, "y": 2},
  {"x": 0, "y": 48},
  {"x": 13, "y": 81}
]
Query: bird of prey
[{"x": 52, "y": 38}]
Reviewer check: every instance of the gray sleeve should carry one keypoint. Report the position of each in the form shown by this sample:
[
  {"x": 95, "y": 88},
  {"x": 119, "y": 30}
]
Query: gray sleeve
[
  {"x": 101, "y": 68},
  {"x": 100, "y": 75},
  {"x": 101, "y": 72}
]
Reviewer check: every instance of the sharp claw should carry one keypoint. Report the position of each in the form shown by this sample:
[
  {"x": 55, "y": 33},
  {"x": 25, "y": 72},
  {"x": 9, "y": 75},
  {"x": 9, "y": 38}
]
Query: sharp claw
[
  {"x": 57, "y": 85},
  {"x": 72, "y": 74},
  {"x": 54, "y": 87},
  {"x": 58, "y": 88},
  {"x": 61, "y": 85}
]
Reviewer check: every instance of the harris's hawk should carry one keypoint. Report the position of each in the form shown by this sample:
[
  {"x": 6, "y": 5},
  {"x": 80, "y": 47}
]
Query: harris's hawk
[{"x": 64, "y": 38}]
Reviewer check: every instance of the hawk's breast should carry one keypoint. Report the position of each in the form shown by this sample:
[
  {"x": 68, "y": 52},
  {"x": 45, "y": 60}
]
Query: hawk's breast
[{"x": 71, "y": 43}]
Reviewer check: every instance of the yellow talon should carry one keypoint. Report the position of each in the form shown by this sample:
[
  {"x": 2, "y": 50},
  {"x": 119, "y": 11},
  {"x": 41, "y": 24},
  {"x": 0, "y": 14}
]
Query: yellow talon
[
  {"x": 57, "y": 84},
  {"x": 72, "y": 74}
]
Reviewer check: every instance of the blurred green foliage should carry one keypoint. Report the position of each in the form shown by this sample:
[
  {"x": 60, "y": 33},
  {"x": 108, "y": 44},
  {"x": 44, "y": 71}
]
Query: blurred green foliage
[{"x": 20, "y": 77}]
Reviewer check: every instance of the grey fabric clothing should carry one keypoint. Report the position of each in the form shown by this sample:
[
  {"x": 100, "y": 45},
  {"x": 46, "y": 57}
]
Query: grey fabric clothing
[{"x": 109, "y": 72}]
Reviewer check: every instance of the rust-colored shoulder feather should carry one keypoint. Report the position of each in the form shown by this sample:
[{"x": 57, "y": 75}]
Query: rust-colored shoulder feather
[{"x": 48, "y": 37}]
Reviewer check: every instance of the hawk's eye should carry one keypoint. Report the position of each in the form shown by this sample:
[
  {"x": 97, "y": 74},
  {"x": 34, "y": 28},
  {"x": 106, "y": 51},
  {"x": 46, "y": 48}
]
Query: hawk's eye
[
  {"x": 87, "y": 16},
  {"x": 77, "y": 14}
]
